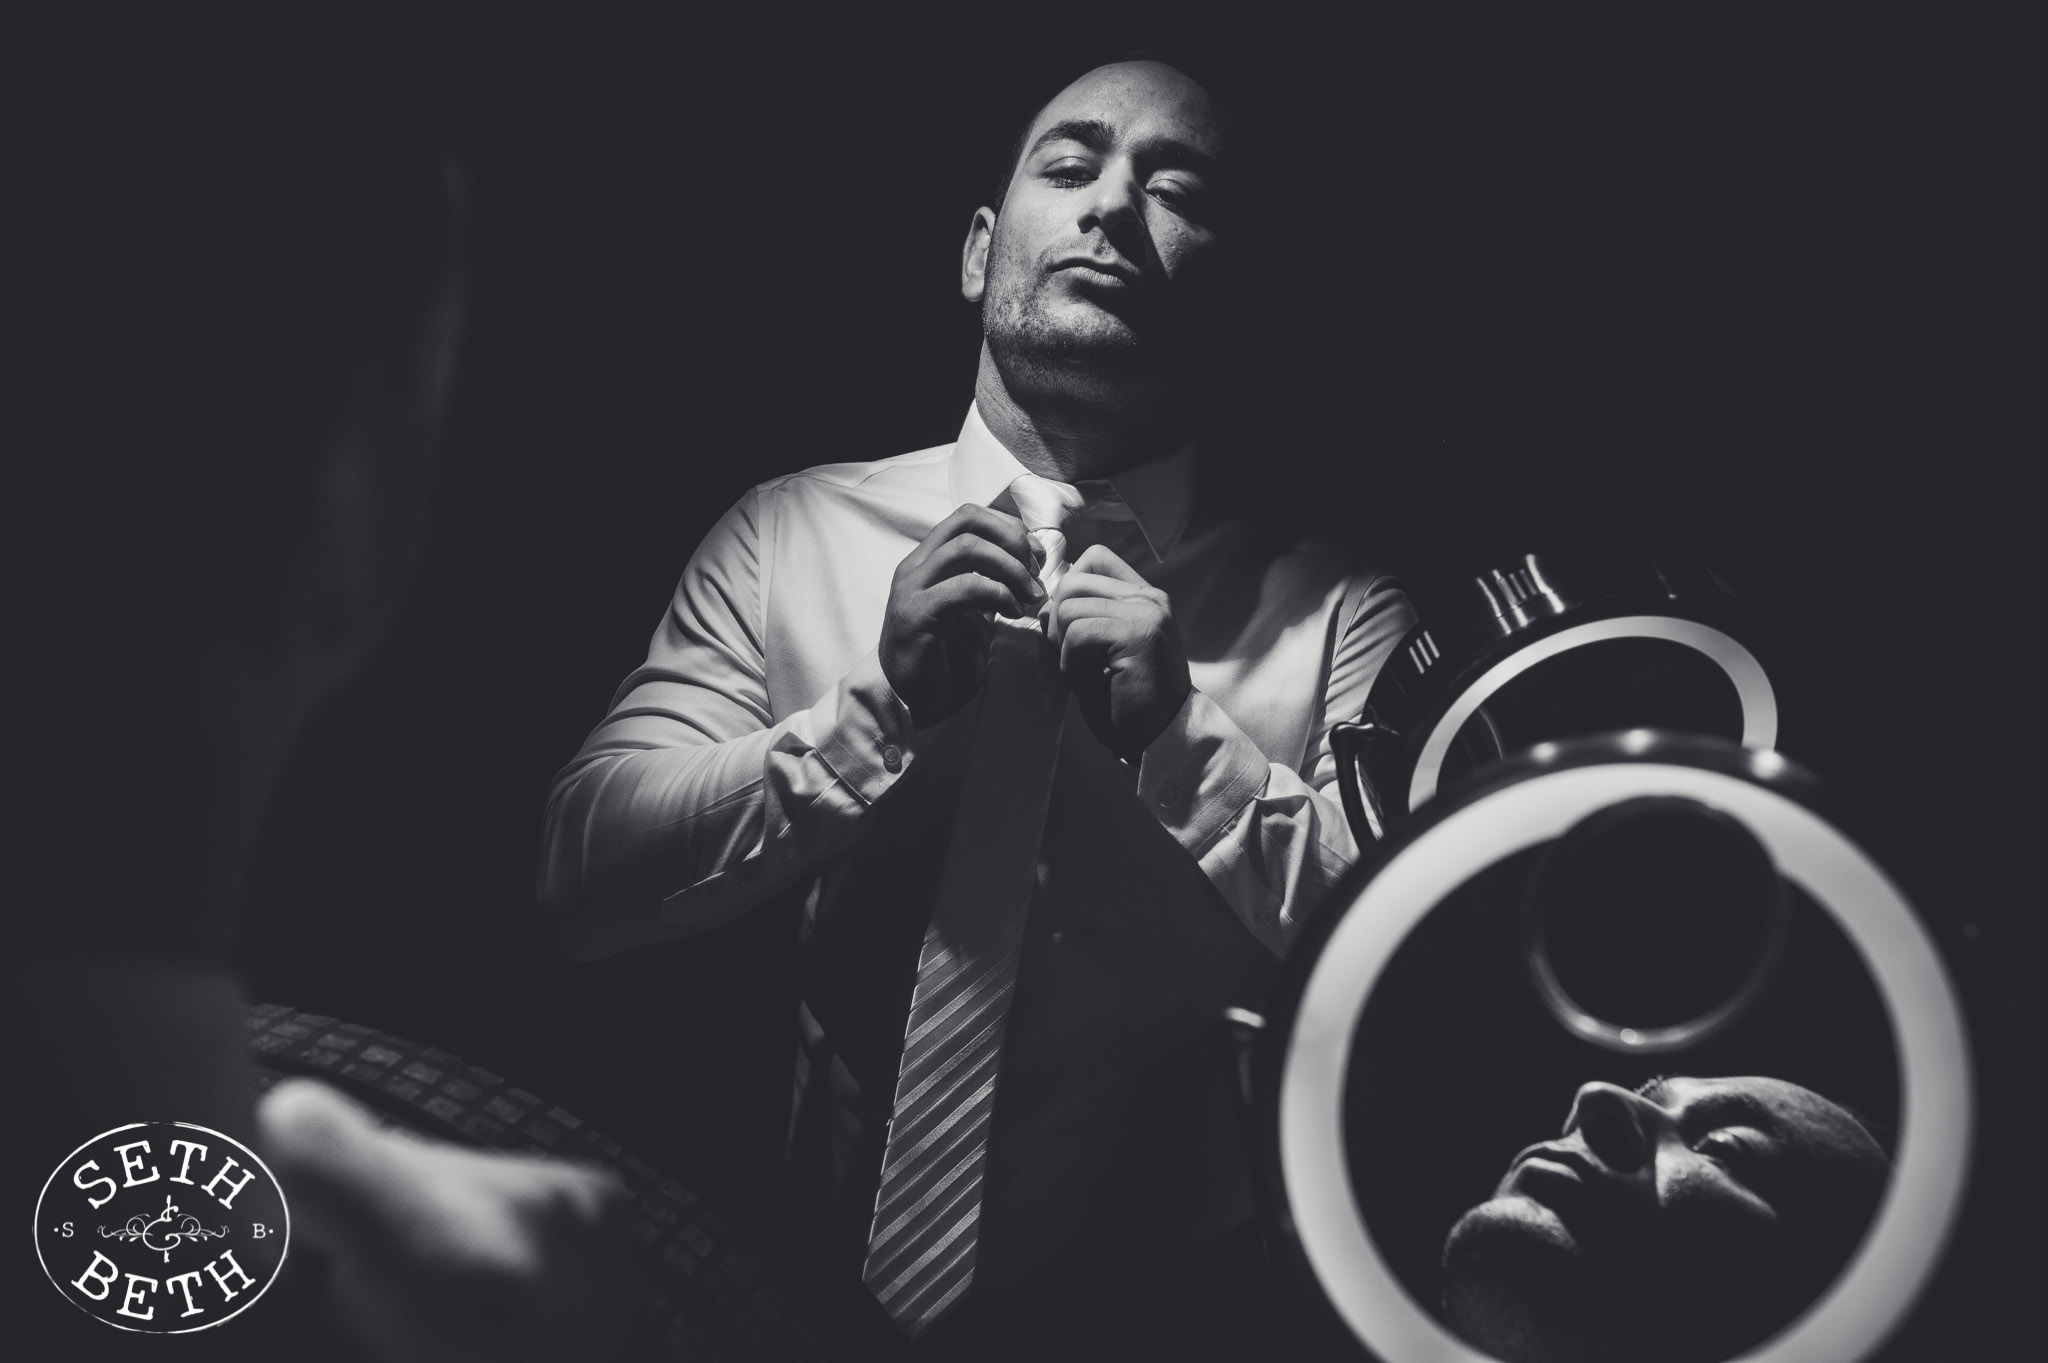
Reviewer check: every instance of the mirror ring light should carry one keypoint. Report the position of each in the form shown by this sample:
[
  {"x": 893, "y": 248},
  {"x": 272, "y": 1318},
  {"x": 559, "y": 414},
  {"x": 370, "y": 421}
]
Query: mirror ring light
[
  {"x": 1752, "y": 684},
  {"x": 1574, "y": 1017},
  {"x": 1532, "y": 799}
]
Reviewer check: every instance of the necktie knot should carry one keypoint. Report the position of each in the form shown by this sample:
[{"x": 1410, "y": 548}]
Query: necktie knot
[
  {"x": 1044, "y": 504},
  {"x": 1045, "y": 507}
]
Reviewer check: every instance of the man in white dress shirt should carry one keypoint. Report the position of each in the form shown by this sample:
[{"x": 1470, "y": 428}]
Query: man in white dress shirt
[{"x": 811, "y": 700}]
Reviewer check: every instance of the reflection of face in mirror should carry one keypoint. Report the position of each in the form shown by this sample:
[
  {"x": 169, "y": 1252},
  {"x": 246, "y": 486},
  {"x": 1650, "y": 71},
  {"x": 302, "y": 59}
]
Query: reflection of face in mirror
[{"x": 1685, "y": 1221}]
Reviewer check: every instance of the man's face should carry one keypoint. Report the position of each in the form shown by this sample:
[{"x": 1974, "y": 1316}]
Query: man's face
[
  {"x": 1108, "y": 233},
  {"x": 1686, "y": 1200}
]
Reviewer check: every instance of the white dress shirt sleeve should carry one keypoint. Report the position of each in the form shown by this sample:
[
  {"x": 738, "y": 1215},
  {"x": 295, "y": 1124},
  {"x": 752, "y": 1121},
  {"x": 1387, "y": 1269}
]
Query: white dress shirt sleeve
[
  {"x": 1272, "y": 839},
  {"x": 688, "y": 805}
]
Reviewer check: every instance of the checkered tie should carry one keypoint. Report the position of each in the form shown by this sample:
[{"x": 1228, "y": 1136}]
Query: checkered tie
[{"x": 921, "y": 1247}]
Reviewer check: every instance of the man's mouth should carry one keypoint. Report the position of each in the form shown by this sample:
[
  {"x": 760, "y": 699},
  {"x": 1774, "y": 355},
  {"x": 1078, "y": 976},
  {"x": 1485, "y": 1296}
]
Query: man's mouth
[{"x": 1112, "y": 271}]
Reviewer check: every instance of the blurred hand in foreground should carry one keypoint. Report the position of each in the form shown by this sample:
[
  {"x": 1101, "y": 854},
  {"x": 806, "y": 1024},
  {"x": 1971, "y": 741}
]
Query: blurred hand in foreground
[{"x": 440, "y": 1252}]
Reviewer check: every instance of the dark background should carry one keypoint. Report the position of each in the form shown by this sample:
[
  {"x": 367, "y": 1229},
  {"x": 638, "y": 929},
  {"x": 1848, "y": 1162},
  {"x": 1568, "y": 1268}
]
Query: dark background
[{"x": 1731, "y": 289}]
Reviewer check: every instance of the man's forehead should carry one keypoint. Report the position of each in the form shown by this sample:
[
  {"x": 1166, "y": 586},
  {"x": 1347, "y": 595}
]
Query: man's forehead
[
  {"x": 1139, "y": 99},
  {"x": 1779, "y": 1097}
]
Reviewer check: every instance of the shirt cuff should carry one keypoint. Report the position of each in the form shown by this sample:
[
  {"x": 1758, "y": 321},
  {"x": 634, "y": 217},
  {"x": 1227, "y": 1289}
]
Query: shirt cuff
[
  {"x": 863, "y": 730},
  {"x": 1200, "y": 773}
]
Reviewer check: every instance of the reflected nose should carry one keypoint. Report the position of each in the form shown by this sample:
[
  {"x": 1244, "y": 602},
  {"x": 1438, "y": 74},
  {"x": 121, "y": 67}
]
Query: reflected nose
[{"x": 1614, "y": 1124}]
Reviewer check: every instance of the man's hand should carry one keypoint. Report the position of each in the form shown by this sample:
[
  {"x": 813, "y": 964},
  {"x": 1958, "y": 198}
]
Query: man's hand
[
  {"x": 1120, "y": 651},
  {"x": 441, "y": 1252},
  {"x": 975, "y": 564}
]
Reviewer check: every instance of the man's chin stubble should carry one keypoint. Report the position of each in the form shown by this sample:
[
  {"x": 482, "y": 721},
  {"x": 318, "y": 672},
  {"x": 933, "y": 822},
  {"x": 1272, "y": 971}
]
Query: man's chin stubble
[
  {"x": 1510, "y": 1228},
  {"x": 1108, "y": 363}
]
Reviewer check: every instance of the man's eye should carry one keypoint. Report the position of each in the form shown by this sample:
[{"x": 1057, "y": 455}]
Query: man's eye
[
  {"x": 1070, "y": 173},
  {"x": 1726, "y": 1147},
  {"x": 1177, "y": 195}
]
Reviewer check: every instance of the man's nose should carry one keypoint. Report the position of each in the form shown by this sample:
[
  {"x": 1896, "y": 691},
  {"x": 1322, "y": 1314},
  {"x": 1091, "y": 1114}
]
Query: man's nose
[
  {"x": 1614, "y": 1125},
  {"x": 1116, "y": 206}
]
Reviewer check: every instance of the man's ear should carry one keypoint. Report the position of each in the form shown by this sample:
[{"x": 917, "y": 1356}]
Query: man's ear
[{"x": 974, "y": 255}]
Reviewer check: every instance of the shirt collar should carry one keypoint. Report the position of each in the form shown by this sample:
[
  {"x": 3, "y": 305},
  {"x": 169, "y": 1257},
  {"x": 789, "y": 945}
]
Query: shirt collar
[{"x": 1159, "y": 492}]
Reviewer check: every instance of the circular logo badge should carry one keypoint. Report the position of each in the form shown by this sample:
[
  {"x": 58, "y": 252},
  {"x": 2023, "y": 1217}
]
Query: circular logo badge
[{"x": 162, "y": 1227}]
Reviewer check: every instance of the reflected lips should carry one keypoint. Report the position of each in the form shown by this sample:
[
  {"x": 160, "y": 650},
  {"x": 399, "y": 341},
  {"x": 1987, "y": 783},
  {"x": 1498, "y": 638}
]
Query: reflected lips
[
  {"x": 1556, "y": 1178},
  {"x": 1540, "y": 1172}
]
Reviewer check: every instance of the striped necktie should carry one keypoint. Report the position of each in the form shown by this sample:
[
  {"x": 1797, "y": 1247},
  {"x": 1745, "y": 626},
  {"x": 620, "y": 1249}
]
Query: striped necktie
[{"x": 922, "y": 1245}]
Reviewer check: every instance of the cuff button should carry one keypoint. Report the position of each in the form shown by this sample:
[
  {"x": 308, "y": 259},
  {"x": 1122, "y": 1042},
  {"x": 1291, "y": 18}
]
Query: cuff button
[
  {"x": 1169, "y": 794},
  {"x": 892, "y": 757}
]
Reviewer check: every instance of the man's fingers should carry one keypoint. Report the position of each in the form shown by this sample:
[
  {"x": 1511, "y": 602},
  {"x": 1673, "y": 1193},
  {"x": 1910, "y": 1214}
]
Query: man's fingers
[
  {"x": 1079, "y": 582},
  {"x": 1096, "y": 559},
  {"x": 1086, "y": 645},
  {"x": 1078, "y": 587},
  {"x": 970, "y": 592},
  {"x": 996, "y": 527},
  {"x": 1115, "y": 607},
  {"x": 315, "y": 1132},
  {"x": 330, "y": 1155},
  {"x": 1069, "y": 610},
  {"x": 970, "y": 553},
  {"x": 590, "y": 1196}
]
